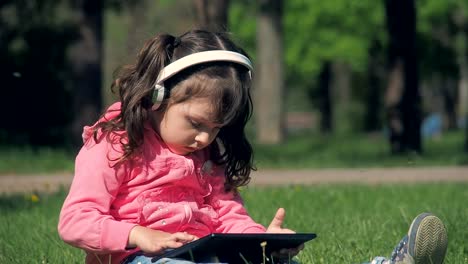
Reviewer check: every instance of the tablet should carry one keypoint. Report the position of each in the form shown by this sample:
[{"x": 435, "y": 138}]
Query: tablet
[{"x": 237, "y": 248}]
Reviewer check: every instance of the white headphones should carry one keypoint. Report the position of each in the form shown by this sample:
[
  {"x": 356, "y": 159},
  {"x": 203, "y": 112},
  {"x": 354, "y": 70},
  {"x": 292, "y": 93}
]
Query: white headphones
[{"x": 190, "y": 60}]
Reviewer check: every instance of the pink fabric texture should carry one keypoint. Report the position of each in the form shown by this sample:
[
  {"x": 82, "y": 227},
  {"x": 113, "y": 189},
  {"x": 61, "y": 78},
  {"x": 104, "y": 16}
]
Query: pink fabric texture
[{"x": 160, "y": 190}]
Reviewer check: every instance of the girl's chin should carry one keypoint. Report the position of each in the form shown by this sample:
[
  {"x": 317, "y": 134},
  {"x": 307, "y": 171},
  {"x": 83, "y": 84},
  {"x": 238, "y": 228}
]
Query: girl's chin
[{"x": 181, "y": 151}]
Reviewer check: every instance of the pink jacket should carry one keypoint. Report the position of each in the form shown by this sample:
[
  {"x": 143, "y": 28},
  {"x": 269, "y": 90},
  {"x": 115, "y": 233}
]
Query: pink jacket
[{"x": 160, "y": 190}]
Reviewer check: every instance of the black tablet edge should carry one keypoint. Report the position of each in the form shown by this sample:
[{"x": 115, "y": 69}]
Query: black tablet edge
[{"x": 187, "y": 247}]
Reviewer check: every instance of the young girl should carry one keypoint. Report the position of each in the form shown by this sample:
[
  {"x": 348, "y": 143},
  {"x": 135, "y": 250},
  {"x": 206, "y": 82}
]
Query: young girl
[{"x": 161, "y": 167}]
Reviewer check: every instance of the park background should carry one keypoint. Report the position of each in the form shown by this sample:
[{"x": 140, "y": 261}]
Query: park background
[{"x": 338, "y": 84}]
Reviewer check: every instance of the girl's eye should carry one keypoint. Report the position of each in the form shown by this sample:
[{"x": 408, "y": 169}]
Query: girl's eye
[{"x": 194, "y": 124}]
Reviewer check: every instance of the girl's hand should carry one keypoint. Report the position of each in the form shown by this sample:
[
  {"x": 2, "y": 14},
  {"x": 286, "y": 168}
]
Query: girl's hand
[
  {"x": 155, "y": 241},
  {"x": 276, "y": 227}
]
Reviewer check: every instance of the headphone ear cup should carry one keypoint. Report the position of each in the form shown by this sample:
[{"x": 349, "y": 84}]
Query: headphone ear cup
[{"x": 158, "y": 96}]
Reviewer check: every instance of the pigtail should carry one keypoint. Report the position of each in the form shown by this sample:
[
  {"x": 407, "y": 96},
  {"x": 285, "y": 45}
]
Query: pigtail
[{"x": 134, "y": 84}]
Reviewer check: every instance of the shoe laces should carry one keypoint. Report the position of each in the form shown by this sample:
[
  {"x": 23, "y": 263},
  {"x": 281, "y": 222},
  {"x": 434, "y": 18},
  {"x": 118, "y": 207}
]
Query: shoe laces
[{"x": 400, "y": 250}]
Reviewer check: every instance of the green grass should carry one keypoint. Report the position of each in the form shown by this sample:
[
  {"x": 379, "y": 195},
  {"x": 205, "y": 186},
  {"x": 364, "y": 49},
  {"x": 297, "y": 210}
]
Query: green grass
[
  {"x": 355, "y": 151},
  {"x": 300, "y": 151},
  {"x": 353, "y": 223},
  {"x": 24, "y": 160}
]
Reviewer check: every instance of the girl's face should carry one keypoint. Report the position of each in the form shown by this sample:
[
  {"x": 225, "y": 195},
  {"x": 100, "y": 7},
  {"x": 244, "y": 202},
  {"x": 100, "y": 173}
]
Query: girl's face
[{"x": 186, "y": 127}]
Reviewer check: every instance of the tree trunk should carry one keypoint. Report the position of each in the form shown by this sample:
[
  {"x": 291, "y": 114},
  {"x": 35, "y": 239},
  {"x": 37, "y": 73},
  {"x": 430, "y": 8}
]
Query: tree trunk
[
  {"x": 373, "y": 97},
  {"x": 341, "y": 83},
  {"x": 325, "y": 102},
  {"x": 341, "y": 96},
  {"x": 403, "y": 101},
  {"x": 212, "y": 14},
  {"x": 85, "y": 57},
  {"x": 270, "y": 81}
]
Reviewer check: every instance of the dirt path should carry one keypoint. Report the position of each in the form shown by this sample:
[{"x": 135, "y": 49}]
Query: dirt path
[
  {"x": 365, "y": 176},
  {"x": 28, "y": 183}
]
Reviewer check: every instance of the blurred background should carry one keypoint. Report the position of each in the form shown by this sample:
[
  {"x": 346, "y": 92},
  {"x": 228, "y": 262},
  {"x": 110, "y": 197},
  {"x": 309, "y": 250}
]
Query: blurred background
[{"x": 338, "y": 83}]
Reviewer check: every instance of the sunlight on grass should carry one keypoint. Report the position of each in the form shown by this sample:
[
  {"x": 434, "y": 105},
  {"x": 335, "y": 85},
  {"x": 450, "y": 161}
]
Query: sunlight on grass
[{"x": 354, "y": 223}]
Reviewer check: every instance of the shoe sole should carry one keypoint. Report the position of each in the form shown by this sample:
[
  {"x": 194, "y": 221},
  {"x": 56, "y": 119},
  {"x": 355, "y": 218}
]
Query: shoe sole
[{"x": 427, "y": 239}]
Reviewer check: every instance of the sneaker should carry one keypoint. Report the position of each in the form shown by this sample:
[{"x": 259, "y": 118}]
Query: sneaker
[{"x": 425, "y": 243}]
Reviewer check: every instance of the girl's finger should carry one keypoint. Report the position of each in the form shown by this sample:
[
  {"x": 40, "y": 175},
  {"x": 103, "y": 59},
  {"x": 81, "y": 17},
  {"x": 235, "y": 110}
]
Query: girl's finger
[
  {"x": 184, "y": 237},
  {"x": 277, "y": 221},
  {"x": 173, "y": 244}
]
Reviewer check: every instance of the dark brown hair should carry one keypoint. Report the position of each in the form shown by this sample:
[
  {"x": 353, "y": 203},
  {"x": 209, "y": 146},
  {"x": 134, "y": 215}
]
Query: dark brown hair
[{"x": 226, "y": 84}]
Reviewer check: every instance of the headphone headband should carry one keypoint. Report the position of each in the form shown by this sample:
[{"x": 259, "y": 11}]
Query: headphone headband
[
  {"x": 191, "y": 60},
  {"x": 202, "y": 57}
]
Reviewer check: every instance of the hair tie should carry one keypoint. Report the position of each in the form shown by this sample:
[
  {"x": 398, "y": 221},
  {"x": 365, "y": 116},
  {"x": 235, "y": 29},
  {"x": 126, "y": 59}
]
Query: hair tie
[{"x": 177, "y": 41}]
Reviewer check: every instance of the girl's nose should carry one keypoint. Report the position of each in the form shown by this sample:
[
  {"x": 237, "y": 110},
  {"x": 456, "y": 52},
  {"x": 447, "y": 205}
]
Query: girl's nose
[{"x": 203, "y": 138}]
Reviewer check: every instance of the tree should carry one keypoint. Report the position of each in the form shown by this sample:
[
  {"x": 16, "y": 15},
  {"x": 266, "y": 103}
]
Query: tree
[
  {"x": 374, "y": 78},
  {"x": 269, "y": 96},
  {"x": 402, "y": 99},
  {"x": 86, "y": 59},
  {"x": 318, "y": 32},
  {"x": 212, "y": 14},
  {"x": 332, "y": 32}
]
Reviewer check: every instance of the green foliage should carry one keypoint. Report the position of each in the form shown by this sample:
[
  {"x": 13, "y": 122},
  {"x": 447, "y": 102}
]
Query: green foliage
[
  {"x": 338, "y": 30},
  {"x": 353, "y": 222},
  {"x": 343, "y": 31},
  {"x": 242, "y": 24},
  {"x": 437, "y": 31},
  {"x": 317, "y": 31},
  {"x": 434, "y": 12}
]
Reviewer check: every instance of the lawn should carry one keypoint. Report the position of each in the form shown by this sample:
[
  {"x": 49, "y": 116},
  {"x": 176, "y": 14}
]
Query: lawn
[
  {"x": 299, "y": 151},
  {"x": 353, "y": 222},
  {"x": 358, "y": 151}
]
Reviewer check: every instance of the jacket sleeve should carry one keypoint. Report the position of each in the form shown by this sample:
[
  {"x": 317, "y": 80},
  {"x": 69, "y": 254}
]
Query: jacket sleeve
[
  {"x": 85, "y": 221},
  {"x": 232, "y": 215}
]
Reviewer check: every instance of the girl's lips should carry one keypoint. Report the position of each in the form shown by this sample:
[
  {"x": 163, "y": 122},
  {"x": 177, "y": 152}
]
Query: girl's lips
[{"x": 190, "y": 149}]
